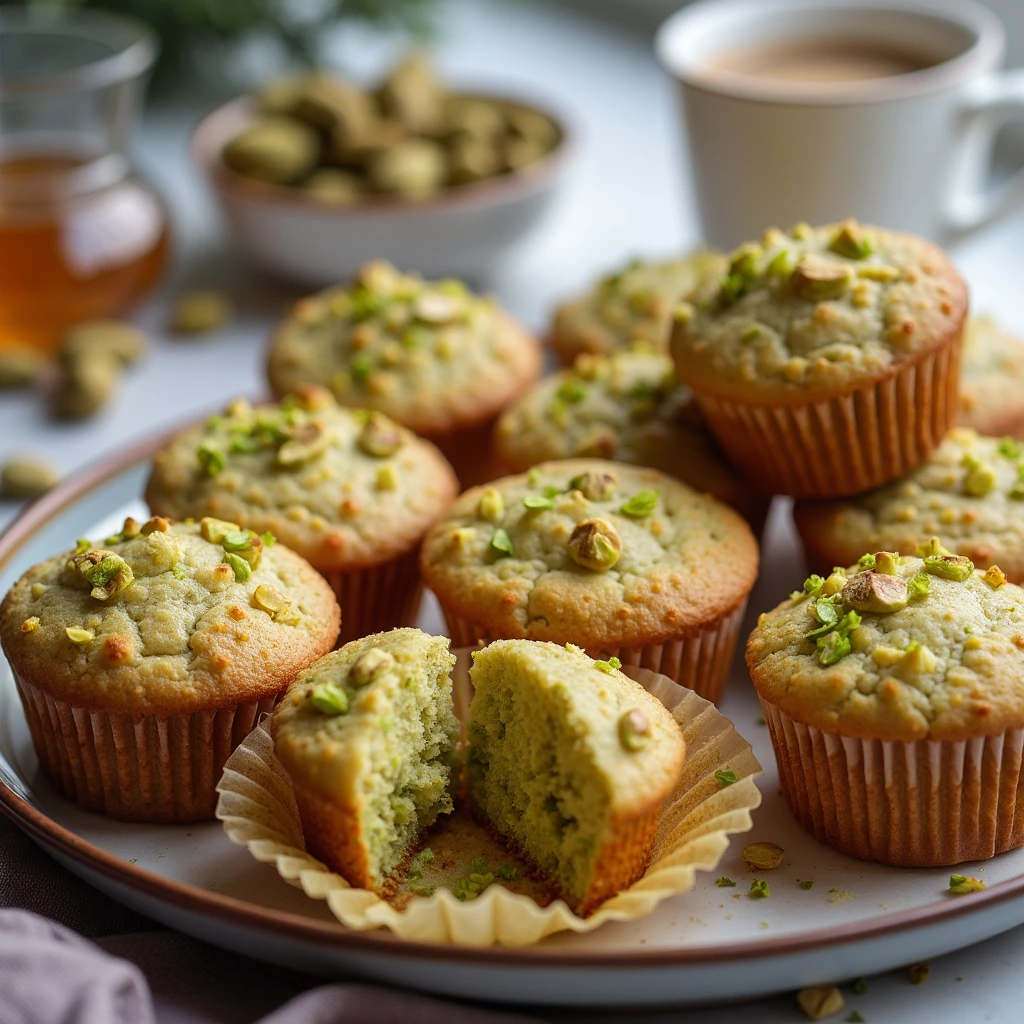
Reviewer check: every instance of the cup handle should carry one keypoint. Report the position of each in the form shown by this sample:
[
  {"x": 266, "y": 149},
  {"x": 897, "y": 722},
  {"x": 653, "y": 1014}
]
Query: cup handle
[{"x": 991, "y": 102}]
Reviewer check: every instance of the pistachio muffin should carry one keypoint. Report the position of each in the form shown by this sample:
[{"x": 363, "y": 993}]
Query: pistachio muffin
[
  {"x": 144, "y": 660},
  {"x": 970, "y": 494},
  {"x": 629, "y": 407},
  {"x": 633, "y": 305},
  {"x": 368, "y": 736},
  {"x": 348, "y": 489},
  {"x": 992, "y": 379},
  {"x": 827, "y": 363},
  {"x": 431, "y": 355},
  {"x": 625, "y": 562},
  {"x": 892, "y": 692},
  {"x": 570, "y": 762}
]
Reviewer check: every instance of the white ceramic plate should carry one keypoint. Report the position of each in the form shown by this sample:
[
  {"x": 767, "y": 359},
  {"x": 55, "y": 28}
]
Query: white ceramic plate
[{"x": 711, "y": 944}]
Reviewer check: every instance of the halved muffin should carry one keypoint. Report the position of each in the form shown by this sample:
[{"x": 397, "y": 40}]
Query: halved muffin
[
  {"x": 570, "y": 761},
  {"x": 368, "y": 736}
]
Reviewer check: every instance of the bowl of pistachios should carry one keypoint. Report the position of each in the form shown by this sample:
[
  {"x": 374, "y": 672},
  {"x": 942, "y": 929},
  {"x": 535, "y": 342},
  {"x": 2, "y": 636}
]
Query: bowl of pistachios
[{"x": 315, "y": 175}]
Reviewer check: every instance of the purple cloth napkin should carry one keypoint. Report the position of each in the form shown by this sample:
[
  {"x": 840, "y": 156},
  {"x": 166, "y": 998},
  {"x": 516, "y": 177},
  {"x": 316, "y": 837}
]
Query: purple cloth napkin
[{"x": 136, "y": 972}]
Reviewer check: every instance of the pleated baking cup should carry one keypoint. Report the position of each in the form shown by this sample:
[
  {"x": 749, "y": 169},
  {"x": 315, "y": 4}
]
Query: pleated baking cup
[
  {"x": 923, "y": 804},
  {"x": 136, "y": 767},
  {"x": 848, "y": 443},
  {"x": 377, "y": 598},
  {"x": 258, "y": 809},
  {"x": 470, "y": 452},
  {"x": 700, "y": 662}
]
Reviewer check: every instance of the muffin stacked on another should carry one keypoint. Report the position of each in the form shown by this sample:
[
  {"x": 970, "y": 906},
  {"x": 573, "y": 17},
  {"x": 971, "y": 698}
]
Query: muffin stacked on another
[
  {"x": 570, "y": 761},
  {"x": 970, "y": 494},
  {"x": 142, "y": 662},
  {"x": 349, "y": 490},
  {"x": 629, "y": 407},
  {"x": 992, "y": 379},
  {"x": 633, "y": 305},
  {"x": 431, "y": 355},
  {"x": 625, "y": 562},
  {"x": 368, "y": 736},
  {"x": 893, "y": 694},
  {"x": 828, "y": 361}
]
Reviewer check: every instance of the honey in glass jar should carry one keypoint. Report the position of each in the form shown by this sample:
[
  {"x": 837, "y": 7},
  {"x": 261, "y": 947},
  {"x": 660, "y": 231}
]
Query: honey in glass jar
[{"x": 81, "y": 235}]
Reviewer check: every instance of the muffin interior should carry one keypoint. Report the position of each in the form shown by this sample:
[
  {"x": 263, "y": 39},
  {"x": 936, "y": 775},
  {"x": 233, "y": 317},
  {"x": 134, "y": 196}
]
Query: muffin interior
[{"x": 531, "y": 770}]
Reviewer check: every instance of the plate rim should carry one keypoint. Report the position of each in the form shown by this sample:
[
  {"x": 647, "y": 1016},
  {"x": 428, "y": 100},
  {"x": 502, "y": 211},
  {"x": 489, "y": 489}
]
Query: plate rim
[{"x": 51, "y": 834}]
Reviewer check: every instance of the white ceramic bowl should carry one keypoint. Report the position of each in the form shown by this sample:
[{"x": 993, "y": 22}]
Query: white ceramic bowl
[{"x": 463, "y": 232}]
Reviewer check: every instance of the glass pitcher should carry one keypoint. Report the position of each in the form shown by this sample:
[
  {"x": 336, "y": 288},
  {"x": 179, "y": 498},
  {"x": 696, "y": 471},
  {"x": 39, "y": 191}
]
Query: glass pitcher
[{"x": 81, "y": 236}]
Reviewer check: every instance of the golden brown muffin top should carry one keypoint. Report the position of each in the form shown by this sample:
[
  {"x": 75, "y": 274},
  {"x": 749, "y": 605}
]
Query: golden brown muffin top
[
  {"x": 345, "y": 488},
  {"x": 897, "y": 649},
  {"x": 590, "y": 552},
  {"x": 159, "y": 619},
  {"x": 431, "y": 355},
  {"x": 818, "y": 311},
  {"x": 991, "y": 378}
]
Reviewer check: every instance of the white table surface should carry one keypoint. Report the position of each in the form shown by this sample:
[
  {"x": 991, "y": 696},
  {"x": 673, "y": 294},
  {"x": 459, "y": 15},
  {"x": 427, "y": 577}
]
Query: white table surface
[{"x": 626, "y": 195}]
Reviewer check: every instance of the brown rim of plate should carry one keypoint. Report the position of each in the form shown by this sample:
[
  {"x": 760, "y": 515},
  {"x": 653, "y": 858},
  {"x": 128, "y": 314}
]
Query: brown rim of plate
[
  {"x": 294, "y": 926},
  {"x": 208, "y": 138}
]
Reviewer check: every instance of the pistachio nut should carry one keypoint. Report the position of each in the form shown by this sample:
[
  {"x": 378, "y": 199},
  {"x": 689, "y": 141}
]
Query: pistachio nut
[
  {"x": 313, "y": 398},
  {"x": 851, "y": 241},
  {"x": 820, "y": 1002},
  {"x": 919, "y": 659},
  {"x": 370, "y": 665},
  {"x": 302, "y": 443},
  {"x": 86, "y": 382},
  {"x": 274, "y": 603},
  {"x": 415, "y": 168},
  {"x": 595, "y": 544},
  {"x": 329, "y": 699},
  {"x": 215, "y": 530},
  {"x": 122, "y": 340},
  {"x": 872, "y": 591},
  {"x": 833, "y": 584},
  {"x": 278, "y": 150},
  {"x": 886, "y": 562},
  {"x": 239, "y": 566},
  {"x": 763, "y": 856},
  {"x": 595, "y": 486},
  {"x": 815, "y": 278},
  {"x": 199, "y": 311},
  {"x": 108, "y": 573},
  {"x": 19, "y": 367},
  {"x": 77, "y": 635},
  {"x": 949, "y": 567},
  {"x": 437, "y": 308},
  {"x": 333, "y": 186},
  {"x": 330, "y": 105},
  {"x": 598, "y": 443},
  {"x": 491, "y": 506},
  {"x": 155, "y": 524},
  {"x": 634, "y": 730},
  {"x": 932, "y": 546},
  {"x": 25, "y": 476},
  {"x": 994, "y": 576},
  {"x": 472, "y": 159},
  {"x": 380, "y": 437},
  {"x": 413, "y": 94},
  {"x": 247, "y": 544},
  {"x": 980, "y": 479}
]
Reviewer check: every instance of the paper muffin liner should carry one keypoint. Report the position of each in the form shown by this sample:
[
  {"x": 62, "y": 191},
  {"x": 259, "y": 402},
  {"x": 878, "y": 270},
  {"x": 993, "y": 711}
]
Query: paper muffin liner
[
  {"x": 846, "y": 444},
  {"x": 470, "y": 451},
  {"x": 700, "y": 662},
  {"x": 923, "y": 804},
  {"x": 136, "y": 767},
  {"x": 258, "y": 809},
  {"x": 378, "y": 598}
]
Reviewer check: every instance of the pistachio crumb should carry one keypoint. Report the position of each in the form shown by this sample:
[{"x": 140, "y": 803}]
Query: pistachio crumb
[
  {"x": 759, "y": 890},
  {"x": 725, "y": 883},
  {"x": 726, "y": 777},
  {"x": 820, "y": 1002},
  {"x": 960, "y": 885},
  {"x": 918, "y": 973},
  {"x": 634, "y": 730}
]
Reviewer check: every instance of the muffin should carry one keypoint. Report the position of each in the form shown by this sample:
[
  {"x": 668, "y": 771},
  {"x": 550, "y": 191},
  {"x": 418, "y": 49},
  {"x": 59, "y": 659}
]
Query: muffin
[
  {"x": 970, "y": 494},
  {"x": 570, "y": 762},
  {"x": 630, "y": 407},
  {"x": 142, "y": 662},
  {"x": 633, "y": 305},
  {"x": 347, "y": 489},
  {"x": 627, "y": 563},
  {"x": 367, "y": 736},
  {"x": 992, "y": 379},
  {"x": 828, "y": 361},
  {"x": 892, "y": 693},
  {"x": 431, "y": 355}
]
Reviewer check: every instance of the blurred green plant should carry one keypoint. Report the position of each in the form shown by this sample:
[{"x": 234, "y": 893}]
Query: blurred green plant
[{"x": 182, "y": 24}]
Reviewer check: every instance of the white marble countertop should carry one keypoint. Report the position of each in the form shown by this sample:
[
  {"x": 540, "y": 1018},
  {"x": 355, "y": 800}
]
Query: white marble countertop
[{"x": 625, "y": 196}]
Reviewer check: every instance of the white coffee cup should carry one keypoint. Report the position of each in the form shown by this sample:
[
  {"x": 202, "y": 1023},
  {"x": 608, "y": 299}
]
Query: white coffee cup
[{"x": 910, "y": 151}]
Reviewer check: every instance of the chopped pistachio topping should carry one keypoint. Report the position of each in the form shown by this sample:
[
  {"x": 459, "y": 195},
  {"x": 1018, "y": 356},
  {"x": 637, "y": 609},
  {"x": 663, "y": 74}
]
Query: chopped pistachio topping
[
  {"x": 866, "y": 561},
  {"x": 239, "y": 566},
  {"x": 873, "y": 591},
  {"x": 634, "y": 729},
  {"x": 725, "y": 882},
  {"x": 763, "y": 856},
  {"x": 726, "y": 777},
  {"x": 642, "y": 504},
  {"x": 611, "y": 665},
  {"x": 302, "y": 443},
  {"x": 538, "y": 502},
  {"x": 886, "y": 562},
  {"x": 918, "y": 973},
  {"x": 860, "y": 986},
  {"x": 501, "y": 542},
  {"x": 807, "y": 883},
  {"x": 370, "y": 665},
  {"x": 507, "y": 873},
  {"x": 155, "y": 524},
  {"x": 834, "y": 584},
  {"x": 759, "y": 890},
  {"x": 960, "y": 885},
  {"x": 949, "y": 567},
  {"x": 212, "y": 459},
  {"x": 851, "y": 241},
  {"x": 246, "y": 544},
  {"x": 816, "y": 278},
  {"x": 274, "y": 603},
  {"x": 595, "y": 486},
  {"x": 329, "y": 699},
  {"x": 215, "y": 530},
  {"x": 931, "y": 547},
  {"x": 491, "y": 506},
  {"x": 380, "y": 437},
  {"x": 994, "y": 576},
  {"x": 31, "y": 624},
  {"x": 812, "y": 587},
  {"x": 820, "y": 1001},
  {"x": 79, "y": 636},
  {"x": 387, "y": 477},
  {"x": 919, "y": 586},
  {"x": 108, "y": 573},
  {"x": 979, "y": 479},
  {"x": 595, "y": 544}
]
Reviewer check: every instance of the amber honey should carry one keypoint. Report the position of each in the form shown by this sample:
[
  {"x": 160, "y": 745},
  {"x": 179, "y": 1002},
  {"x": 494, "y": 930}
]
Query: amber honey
[{"x": 77, "y": 241}]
